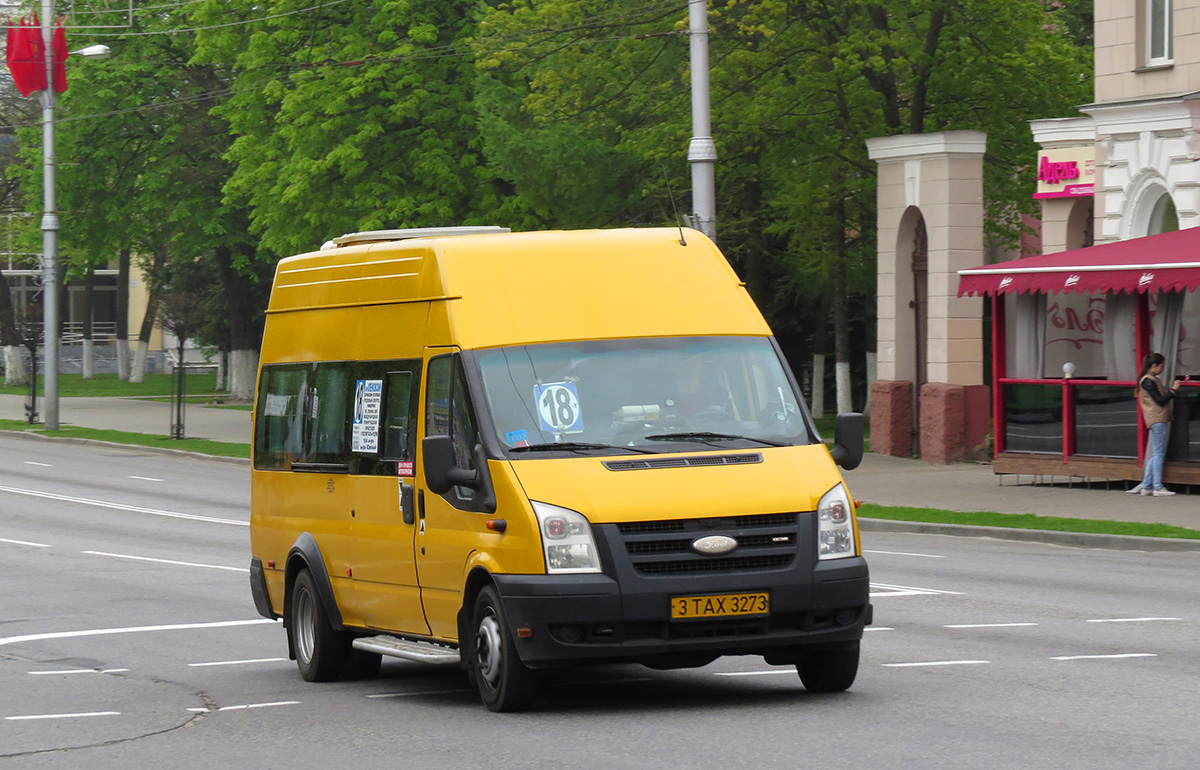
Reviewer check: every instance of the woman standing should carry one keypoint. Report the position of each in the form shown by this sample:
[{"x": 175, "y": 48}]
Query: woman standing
[{"x": 1155, "y": 401}]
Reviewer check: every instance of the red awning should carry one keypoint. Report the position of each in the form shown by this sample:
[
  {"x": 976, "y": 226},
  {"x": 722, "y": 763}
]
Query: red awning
[{"x": 1166, "y": 262}]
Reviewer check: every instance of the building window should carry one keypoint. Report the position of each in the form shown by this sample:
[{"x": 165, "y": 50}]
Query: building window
[
  {"x": 1160, "y": 44},
  {"x": 1163, "y": 218}
]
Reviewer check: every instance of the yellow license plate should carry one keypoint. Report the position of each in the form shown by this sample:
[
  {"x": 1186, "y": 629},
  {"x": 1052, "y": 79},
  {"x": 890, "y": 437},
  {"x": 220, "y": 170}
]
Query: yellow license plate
[{"x": 719, "y": 606}]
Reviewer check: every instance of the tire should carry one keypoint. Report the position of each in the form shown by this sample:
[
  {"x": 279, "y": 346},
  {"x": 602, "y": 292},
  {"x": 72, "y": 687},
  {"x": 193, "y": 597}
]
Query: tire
[
  {"x": 503, "y": 681},
  {"x": 321, "y": 652},
  {"x": 829, "y": 670}
]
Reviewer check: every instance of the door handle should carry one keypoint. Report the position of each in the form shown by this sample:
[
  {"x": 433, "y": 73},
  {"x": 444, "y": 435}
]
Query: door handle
[{"x": 406, "y": 503}]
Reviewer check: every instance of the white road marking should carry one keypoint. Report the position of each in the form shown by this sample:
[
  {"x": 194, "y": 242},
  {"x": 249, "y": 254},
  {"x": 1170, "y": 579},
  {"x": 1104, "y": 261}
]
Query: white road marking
[
  {"x": 235, "y": 662},
  {"x": 142, "y": 478},
  {"x": 166, "y": 561},
  {"x": 890, "y": 590},
  {"x": 791, "y": 671},
  {"x": 120, "y": 507},
  {"x": 989, "y": 625},
  {"x": 904, "y": 553},
  {"x": 22, "y": 542},
  {"x": 937, "y": 663},
  {"x": 1106, "y": 657},
  {"x": 40, "y": 465},
  {"x": 131, "y": 630},
  {"x": 68, "y": 716},
  {"x": 247, "y": 706},
  {"x": 1129, "y": 620},
  {"x": 82, "y": 671},
  {"x": 878, "y": 628}
]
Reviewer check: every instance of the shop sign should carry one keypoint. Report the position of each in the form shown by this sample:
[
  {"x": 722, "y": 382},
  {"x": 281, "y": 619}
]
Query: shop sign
[{"x": 1066, "y": 173}]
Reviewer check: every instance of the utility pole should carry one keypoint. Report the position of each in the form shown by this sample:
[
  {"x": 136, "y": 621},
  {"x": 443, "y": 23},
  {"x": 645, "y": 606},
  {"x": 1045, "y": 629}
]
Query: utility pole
[
  {"x": 702, "y": 151},
  {"x": 49, "y": 229}
]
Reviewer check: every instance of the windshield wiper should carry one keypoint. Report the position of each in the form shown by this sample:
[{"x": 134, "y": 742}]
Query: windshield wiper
[
  {"x": 707, "y": 437},
  {"x": 571, "y": 446}
]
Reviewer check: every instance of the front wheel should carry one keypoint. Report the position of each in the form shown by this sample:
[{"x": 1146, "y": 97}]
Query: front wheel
[
  {"x": 504, "y": 683},
  {"x": 321, "y": 652},
  {"x": 829, "y": 670}
]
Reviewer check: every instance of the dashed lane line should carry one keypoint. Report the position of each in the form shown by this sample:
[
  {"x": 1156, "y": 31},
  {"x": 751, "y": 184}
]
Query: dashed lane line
[
  {"x": 937, "y": 663},
  {"x": 66, "y": 716},
  {"x": 988, "y": 625},
  {"x": 245, "y": 706},
  {"x": 906, "y": 553},
  {"x": 121, "y": 507},
  {"x": 235, "y": 662},
  {"x": 131, "y": 630},
  {"x": 165, "y": 561},
  {"x": 1106, "y": 657},
  {"x": 24, "y": 542},
  {"x": 81, "y": 671},
  {"x": 1131, "y": 620},
  {"x": 884, "y": 589}
]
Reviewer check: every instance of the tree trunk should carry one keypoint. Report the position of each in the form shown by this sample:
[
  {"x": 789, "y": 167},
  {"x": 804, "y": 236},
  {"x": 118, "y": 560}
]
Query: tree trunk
[
  {"x": 245, "y": 330},
  {"x": 89, "y": 305},
  {"x": 841, "y": 323},
  {"x": 243, "y": 371},
  {"x": 138, "y": 370},
  {"x": 10, "y": 338},
  {"x": 123, "y": 315}
]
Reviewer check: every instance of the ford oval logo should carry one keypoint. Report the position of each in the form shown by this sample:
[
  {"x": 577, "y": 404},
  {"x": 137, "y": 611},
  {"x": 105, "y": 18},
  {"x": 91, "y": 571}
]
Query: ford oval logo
[{"x": 714, "y": 545}]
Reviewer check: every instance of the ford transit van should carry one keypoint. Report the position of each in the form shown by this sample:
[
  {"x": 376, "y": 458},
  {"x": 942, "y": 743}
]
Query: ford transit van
[{"x": 521, "y": 451}]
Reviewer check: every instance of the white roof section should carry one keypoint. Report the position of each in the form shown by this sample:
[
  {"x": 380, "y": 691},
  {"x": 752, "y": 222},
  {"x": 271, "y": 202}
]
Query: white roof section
[{"x": 376, "y": 236}]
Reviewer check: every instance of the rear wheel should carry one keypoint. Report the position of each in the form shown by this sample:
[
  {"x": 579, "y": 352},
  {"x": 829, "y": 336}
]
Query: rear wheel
[
  {"x": 829, "y": 670},
  {"x": 504, "y": 683},
  {"x": 321, "y": 652}
]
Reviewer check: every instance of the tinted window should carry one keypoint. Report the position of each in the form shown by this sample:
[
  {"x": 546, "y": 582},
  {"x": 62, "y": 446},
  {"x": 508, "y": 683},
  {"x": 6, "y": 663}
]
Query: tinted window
[{"x": 280, "y": 417}]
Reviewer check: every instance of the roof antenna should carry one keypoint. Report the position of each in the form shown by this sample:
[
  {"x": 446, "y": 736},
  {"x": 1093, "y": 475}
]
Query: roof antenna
[{"x": 682, "y": 242}]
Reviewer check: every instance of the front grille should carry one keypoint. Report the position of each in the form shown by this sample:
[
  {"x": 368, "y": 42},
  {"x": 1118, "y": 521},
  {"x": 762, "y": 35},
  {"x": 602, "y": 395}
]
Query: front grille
[{"x": 765, "y": 542}]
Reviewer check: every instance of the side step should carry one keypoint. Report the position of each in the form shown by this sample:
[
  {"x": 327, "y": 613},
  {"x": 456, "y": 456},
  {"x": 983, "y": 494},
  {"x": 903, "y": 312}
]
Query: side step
[{"x": 421, "y": 652}]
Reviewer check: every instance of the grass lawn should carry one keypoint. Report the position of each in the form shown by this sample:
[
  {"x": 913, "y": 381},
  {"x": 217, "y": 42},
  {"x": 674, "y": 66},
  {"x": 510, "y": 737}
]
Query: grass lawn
[
  {"x": 1026, "y": 521},
  {"x": 109, "y": 385},
  {"x": 203, "y": 446}
]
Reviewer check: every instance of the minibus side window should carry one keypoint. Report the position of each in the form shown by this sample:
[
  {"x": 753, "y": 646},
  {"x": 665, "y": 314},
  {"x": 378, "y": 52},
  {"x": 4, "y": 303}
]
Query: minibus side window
[
  {"x": 329, "y": 407},
  {"x": 396, "y": 441},
  {"x": 400, "y": 416},
  {"x": 279, "y": 422},
  {"x": 448, "y": 411}
]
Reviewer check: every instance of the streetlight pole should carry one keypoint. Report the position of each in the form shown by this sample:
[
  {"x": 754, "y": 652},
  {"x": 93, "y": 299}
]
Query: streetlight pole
[
  {"x": 49, "y": 230},
  {"x": 702, "y": 150}
]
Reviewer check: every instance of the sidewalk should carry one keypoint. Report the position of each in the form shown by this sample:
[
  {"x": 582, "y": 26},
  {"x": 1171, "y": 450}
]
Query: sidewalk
[
  {"x": 137, "y": 415},
  {"x": 880, "y": 479}
]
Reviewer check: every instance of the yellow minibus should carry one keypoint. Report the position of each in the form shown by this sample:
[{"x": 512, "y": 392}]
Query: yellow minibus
[{"x": 523, "y": 451}]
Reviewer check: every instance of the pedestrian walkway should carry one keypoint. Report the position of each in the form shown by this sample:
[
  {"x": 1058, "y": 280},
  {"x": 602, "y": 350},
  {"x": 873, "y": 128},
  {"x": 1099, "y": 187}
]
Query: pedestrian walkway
[
  {"x": 880, "y": 479},
  {"x": 139, "y": 415}
]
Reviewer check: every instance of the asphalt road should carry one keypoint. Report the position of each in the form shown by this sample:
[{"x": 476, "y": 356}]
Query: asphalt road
[{"x": 128, "y": 639}]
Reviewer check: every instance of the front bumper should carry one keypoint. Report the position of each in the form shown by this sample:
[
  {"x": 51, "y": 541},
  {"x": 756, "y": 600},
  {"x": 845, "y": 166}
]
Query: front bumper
[{"x": 593, "y": 618}]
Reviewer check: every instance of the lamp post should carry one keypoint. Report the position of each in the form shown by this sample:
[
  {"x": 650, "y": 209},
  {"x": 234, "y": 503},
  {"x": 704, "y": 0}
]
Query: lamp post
[
  {"x": 50, "y": 336},
  {"x": 702, "y": 150}
]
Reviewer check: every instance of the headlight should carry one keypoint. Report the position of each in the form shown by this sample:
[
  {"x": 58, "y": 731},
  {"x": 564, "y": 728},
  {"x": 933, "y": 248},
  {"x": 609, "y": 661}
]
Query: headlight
[
  {"x": 566, "y": 539},
  {"x": 835, "y": 525}
]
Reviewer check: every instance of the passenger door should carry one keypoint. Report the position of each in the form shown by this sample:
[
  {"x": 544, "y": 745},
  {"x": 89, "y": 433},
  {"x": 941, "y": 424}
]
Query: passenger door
[
  {"x": 383, "y": 444},
  {"x": 449, "y": 525}
]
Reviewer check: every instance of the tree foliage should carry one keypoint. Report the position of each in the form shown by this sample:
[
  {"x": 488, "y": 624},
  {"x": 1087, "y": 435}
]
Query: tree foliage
[{"x": 229, "y": 133}]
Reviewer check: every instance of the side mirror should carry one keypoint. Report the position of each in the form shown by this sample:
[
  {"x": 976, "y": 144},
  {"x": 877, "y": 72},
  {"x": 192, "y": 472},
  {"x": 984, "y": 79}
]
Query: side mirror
[
  {"x": 441, "y": 468},
  {"x": 443, "y": 474},
  {"x": 847, "y": 448}
]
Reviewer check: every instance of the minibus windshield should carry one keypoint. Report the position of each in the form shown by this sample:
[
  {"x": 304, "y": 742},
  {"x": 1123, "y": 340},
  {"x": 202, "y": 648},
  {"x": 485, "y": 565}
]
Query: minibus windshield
[{"x": 641, "y": 395}]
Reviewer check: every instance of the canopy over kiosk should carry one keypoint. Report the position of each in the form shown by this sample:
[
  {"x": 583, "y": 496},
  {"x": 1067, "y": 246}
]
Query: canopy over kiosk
[{"x": 1069, "y": 332}]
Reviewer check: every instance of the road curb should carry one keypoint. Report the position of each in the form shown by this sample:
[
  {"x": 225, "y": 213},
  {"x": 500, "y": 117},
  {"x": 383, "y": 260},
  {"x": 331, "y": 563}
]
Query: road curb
[
  {"x": 1074, "y": 539},
  {"x": 131, "y": 447}
]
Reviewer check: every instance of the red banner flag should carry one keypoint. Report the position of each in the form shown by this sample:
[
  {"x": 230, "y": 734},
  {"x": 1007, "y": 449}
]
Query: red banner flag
[
  {"x": 58, "y": 45},
  {"x": 26, "y": 56}
]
